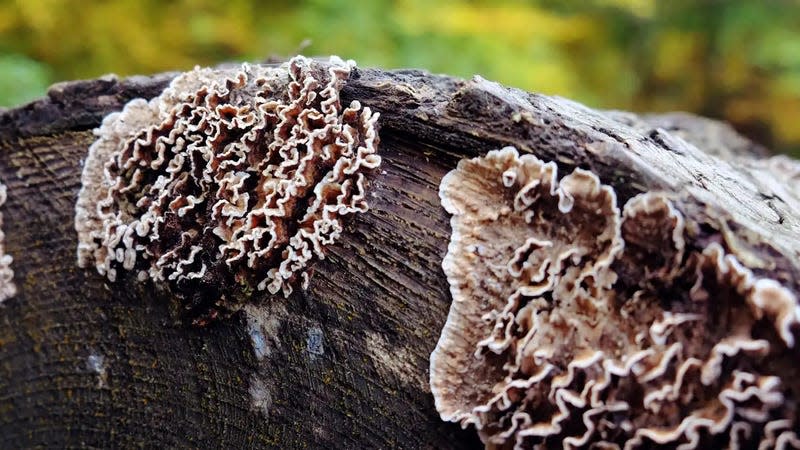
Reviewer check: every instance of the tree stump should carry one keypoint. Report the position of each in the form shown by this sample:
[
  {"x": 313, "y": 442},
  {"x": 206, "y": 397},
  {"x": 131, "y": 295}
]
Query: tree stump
[{"x": 343, "y": 363}]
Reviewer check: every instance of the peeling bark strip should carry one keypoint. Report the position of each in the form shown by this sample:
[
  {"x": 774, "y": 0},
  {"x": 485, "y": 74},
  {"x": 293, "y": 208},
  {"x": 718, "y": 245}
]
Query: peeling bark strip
[{"x": 380, "y": 290}]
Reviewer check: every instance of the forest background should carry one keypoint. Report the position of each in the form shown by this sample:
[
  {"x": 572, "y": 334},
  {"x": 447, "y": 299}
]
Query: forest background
[{"x": 738, "y": 60}]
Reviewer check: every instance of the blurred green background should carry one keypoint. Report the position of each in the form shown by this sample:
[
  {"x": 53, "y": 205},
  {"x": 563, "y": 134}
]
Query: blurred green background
[{"x": 734, "y": 59}]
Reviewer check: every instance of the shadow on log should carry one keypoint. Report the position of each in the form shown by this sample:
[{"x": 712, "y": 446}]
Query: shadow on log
[{"x": 343, "y": 364}]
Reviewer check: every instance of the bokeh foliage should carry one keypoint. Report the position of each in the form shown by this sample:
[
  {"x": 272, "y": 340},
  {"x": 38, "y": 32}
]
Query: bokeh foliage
[{"x": 734, "y": 59}]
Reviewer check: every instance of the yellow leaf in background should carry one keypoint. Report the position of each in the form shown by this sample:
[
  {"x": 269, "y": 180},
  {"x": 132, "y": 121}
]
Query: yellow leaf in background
[
  {"x": 514, "y": 23},
  {"x": 676, "y": 50},
  {"x": 38, "y": 14},
  {"x": 782, "y": 113},
  {"x": 8, "y": 18}
]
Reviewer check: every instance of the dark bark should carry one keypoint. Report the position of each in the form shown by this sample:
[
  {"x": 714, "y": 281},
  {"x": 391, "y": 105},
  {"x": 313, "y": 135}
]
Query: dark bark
[{"x": 84, "y": 362}]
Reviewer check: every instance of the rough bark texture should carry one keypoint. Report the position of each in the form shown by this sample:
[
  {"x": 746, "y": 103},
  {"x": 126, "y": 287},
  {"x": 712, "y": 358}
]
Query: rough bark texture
[{"x": 344, "y": 364}]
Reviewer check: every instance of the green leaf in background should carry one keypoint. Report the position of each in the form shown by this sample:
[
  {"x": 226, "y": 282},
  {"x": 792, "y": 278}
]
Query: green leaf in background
[{"x": 21, "y": 79}]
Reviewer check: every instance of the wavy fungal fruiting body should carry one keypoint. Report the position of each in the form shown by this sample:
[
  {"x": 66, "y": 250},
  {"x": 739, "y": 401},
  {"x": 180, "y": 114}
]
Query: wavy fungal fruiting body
[
  {"x": 577, "y": 325},
  {"x": 230, "y": 180},
  {"x": 7, "y": 288}
]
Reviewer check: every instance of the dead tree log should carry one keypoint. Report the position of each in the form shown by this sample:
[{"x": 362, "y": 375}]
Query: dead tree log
[{"x": 344, "y": 363}]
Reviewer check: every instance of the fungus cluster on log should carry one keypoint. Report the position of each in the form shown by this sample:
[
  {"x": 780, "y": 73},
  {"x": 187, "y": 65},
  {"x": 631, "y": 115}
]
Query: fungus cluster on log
[
  {"x": 650, "y": 302},
  {"x": 231, "y": 180},
  {"x": 7, "y": 287},
  {"x": 576, "y": 323}
]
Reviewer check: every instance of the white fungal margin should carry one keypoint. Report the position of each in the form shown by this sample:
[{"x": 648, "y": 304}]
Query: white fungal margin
[{"x": 7, "y": 287}]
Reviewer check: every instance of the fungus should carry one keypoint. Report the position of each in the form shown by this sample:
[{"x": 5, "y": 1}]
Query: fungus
[
  {"x": 576, "y": 325},
  {"x": 7, "y": 288},
  {"x": 229, "y": 181}
]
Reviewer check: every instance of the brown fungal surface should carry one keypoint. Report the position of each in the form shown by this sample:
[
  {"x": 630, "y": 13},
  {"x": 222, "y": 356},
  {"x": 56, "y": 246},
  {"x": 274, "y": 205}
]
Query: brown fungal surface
[
  {"x": 577, "y": 324},
  {"x": 229, "y": 181},
  {"x": 7, "y": 287}
]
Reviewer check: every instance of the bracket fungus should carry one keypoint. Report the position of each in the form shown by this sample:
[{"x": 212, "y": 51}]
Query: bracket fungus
[
  {"x": 7, "y": 288},
  {"x": 577, "y": 324},
  {"x": 231, "y": 180}
]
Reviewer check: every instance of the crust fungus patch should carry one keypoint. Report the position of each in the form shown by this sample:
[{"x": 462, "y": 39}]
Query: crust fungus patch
[
  {"x": 7, "y": 287},
  {"x": 229, "y": 181},
  {"x": 577, "y": 325}
]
